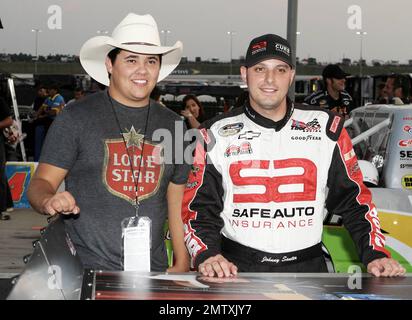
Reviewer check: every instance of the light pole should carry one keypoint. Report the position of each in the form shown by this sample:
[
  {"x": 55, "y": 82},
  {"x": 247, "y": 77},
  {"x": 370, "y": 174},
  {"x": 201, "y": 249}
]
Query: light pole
[
  {"x": 231, "y": 34},
  {"x": 292, "y": 28},
  {"x": 298, "y": 34},
  {"x": 361, "y": 34},
  {"x": 36, "y": 31},
  {"x": 165, "y": 33}
]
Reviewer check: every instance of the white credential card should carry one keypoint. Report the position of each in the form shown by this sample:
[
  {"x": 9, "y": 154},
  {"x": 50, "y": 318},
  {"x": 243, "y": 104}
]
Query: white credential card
[{"x": 137, "y": 246}]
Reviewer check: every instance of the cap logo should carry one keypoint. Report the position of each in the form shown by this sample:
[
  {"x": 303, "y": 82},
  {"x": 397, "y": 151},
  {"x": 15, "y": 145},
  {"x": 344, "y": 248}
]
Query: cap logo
[
  {"x": 282, "y": 48},
  {"x": 258, "y": 47}
]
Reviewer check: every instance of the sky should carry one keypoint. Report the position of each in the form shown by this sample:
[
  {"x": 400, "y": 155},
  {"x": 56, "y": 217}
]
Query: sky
[{"x": 202, "y": 26}]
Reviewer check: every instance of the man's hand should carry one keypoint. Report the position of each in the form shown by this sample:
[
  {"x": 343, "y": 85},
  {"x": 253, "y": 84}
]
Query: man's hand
[
  {"x": 386, "y": 267},
  {"x": 62, "y": 202},
  {"x": 217, "y": 265}
]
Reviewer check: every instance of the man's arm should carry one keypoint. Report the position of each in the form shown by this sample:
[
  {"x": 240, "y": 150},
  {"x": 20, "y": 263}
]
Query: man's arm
[
  {"x": 174, "y": 202},
  {"x": 42, "y": 191},
  {"x": 56, "y": 109},
  {"x": 350, "y": 198},
  {"x": 202, "y": 205},
  {"x": 41, "y": 113}
]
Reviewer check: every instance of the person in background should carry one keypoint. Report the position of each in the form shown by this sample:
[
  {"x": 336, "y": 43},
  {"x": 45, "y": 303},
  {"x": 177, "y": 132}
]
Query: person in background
[
  {"x": 45, "y": 116},
  {"x": 30, "y": 128},
  {"x": 333, "y": 97},
  {"x": 78, "y": 95},
  {"x": 401, "y": 92},
  {"x": 53, "y": 104},
  {"x": 193, "y": 111},
  {"x": 5, "y": 122},
  {"x": 396, "y": 90},
  {"x": 380, "y": 95},
  {"x": 41, "y": 95}
]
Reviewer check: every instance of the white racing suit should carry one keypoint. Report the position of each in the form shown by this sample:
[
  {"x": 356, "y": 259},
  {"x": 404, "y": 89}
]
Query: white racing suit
[{"x": 262, "y": 186}]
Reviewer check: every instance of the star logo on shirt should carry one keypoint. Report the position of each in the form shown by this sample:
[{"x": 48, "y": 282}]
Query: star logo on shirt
[{"x": 133, "y": 138}]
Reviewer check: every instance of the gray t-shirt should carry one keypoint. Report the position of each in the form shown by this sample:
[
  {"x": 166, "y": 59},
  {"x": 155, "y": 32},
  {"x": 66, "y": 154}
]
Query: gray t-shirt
[{"x": 85, "y": 139}]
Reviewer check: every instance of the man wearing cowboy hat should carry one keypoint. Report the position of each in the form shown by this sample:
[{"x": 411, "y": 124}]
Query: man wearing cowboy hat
[{"x": 102, "y": 147}]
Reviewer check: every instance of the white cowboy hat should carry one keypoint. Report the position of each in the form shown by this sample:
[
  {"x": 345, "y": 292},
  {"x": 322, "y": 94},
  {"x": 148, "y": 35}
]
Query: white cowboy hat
[{"x": 134, "y": 33}]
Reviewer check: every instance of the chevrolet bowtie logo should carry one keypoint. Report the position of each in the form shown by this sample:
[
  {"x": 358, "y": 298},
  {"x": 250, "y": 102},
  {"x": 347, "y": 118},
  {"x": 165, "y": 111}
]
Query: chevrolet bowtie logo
[{"x": 249, "y": 135}]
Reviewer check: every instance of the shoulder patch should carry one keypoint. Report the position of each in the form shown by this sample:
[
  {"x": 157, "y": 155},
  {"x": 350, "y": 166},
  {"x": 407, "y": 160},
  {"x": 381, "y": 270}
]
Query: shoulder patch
[
  {"x": 334, "y": 126},
  {"x": 231, "y": 129},
  {"x": 206, "y": 138}
]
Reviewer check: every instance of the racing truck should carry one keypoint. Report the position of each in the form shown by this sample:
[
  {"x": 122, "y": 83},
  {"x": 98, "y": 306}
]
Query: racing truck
[{"x": 382, "y": 140}]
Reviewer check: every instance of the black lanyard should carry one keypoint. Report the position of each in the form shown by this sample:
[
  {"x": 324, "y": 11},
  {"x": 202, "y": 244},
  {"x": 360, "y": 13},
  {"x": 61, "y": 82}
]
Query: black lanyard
[{"x": 136, "y": 181}]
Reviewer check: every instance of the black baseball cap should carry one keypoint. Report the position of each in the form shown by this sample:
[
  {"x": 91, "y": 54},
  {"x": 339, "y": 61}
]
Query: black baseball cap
[
  {"x": 334, "y": 71},
  {"x": 268, "y": 46}
]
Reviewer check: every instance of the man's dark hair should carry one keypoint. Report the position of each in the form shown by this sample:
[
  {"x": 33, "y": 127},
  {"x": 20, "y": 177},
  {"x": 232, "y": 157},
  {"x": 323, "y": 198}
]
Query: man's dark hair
[
  {"x": 112, "y": 56},
  {"x": 114, "y": 53},
  {"x": 403, "y": 83},
  {"x": 53, "y": 87}
]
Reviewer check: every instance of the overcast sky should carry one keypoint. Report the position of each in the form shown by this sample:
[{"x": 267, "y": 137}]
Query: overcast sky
[{"x": 202, "y": 25}]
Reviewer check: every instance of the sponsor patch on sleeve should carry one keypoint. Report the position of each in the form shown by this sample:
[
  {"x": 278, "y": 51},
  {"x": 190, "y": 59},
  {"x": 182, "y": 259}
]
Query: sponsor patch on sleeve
[
  {"x": 349, "y": 155},
  {"x": 205, "y": 135},
  {"x": 334, "y": 125}
]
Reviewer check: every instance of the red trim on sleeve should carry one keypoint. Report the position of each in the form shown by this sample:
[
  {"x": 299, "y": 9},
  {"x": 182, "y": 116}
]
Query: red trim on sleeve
[
  {"x": 364, "y": 197},
  {"x": 193, "y": 243}
]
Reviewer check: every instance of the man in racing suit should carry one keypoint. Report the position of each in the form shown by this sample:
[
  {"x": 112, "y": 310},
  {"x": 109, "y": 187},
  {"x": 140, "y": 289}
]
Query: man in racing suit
[
  {"x": 255, "y": 198},
  {"x": 334, "y": 97}
]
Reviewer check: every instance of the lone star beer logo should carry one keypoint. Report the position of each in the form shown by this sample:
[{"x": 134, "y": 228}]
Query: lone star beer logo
[{"x": 117, "y": 170}]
